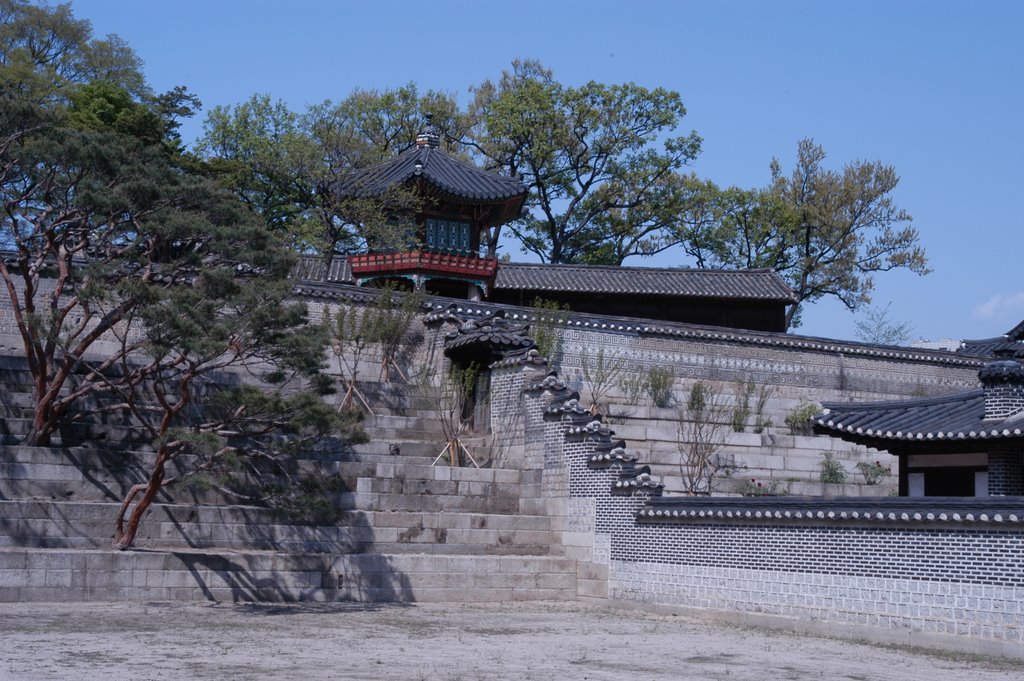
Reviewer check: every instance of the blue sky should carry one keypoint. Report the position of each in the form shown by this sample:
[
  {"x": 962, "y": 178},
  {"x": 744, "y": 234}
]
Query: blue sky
[{"x": 934, "y": 88}]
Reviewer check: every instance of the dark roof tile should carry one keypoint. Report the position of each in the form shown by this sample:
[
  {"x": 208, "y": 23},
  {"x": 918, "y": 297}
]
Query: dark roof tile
[
  {"x": 663, "y": 281},
  {"x": 437, "y": 168},
  {"x": 960, "y": 416}
]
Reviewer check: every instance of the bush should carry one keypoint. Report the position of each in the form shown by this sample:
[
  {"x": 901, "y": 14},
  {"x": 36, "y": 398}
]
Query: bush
[
  {"x": 799, "y": 420},
  {"x": 832, "y": 471},
  {"x": 741, "y": 411},
  {"x": 874, "y": 472},
  {"x": 659, "y": 385},
  {"x": 756, "y": 488},
  {"x": 546, "y": 328},
  {"x": 633, "y": 387},
  {"x": 703, "y": 431},
  {"x": 761, "y": 422}
]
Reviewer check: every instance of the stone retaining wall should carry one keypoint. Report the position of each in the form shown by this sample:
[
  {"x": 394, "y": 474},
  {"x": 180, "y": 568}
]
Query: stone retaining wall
[{"x": 48, "y": 575}]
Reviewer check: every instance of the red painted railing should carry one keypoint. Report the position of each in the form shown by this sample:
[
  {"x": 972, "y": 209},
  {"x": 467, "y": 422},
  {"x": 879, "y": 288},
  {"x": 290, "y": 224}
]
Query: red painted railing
[{"x": 425, "y": 262}]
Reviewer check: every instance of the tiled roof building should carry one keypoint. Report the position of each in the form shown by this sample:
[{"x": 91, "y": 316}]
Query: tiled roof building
[
  {"x": 965, "y": 444},
  {"x": 1012, "y": 341},
  {"x": 743, "y": 299},
  {"x": 747, "y": 299}
]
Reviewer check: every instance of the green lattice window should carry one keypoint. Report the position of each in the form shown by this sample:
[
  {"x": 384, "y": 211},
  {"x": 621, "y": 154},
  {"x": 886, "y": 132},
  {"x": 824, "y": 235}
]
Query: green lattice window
[{"x": 448, "y": 236}]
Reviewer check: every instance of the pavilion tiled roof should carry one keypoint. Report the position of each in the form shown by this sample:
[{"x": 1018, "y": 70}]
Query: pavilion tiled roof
[
  {"x": 960, "y": 416},
  {"x": 431, "y": 165},
  {"x": 657, "y": 281}
]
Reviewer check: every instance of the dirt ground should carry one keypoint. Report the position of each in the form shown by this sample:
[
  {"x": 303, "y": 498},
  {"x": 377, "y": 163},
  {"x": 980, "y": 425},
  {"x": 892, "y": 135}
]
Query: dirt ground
[{"x": 177, "y": 641}]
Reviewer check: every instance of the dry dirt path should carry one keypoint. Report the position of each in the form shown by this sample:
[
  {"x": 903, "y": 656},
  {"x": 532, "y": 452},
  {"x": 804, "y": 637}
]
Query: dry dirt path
[{"x": 110, "y": 642}]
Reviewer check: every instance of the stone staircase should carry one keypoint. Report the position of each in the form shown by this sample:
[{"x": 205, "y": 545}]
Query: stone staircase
[{"x": 406, "y": 530}]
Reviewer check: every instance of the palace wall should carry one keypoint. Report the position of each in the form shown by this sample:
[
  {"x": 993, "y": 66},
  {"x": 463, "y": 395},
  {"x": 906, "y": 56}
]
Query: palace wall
[{"x": 894, "y": 570}]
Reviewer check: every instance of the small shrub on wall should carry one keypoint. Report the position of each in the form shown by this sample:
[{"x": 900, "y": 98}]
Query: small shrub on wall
[
  {"x": 832, "y": 471},
  {"x": 659, "y": 385},
  {"x": 545, "y": 327},
  {"x": 873, "y": 471},
  {"x": 799, "y": 420},
  {"x": 634, "y": 386},
  {"x": 761, "y": 488}
]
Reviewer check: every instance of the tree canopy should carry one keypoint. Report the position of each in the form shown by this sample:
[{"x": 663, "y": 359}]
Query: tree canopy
[
  {"x": 285, "y": 165},
  {"x": 826, "y": 232},
  {"x": 598, "y": 159}
]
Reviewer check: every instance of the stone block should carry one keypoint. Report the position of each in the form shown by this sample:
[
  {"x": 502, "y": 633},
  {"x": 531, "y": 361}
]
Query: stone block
[
  {"x": 57, "y": 578},
  {"x": 556, "y": 580},
  {"x": 588, "y": 588},
  {"x": 48, "y": 560},
  {"x": 532, "y": 537},
  {"x": 752, "y": 440},
  {"x": 14, "y": 560},
  {"x": 578, "y": 539},
  {"x": 485, "y": 475},
  {"x": 14, "y": 578},
  {"x": 591, "y": 571},
  {"x": 536, "y": 594}
]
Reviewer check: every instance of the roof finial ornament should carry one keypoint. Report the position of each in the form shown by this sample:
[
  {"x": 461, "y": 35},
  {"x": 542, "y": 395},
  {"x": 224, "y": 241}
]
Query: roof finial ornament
[{"x": 428, "y": 137}]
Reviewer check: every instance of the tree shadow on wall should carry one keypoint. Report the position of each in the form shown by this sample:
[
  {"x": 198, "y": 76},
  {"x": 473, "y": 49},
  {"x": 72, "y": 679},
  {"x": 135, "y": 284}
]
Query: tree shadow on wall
[{"x": 362, "y": 578}]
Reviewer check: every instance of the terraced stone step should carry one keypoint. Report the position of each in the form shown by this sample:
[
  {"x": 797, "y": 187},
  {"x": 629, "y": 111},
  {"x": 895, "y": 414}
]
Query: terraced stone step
[
  {"x": 90, "y": 525},
  {"x": 86, "y": 474}
]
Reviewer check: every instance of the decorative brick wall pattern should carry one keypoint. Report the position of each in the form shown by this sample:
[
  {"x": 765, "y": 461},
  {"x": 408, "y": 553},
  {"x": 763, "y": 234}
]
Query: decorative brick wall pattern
[
  {"x": 554, "y": 436},
  {"x": 993, "y": 613},
  {"x": 827, "y": 371},
  {"x": 602, "y": 549},
  {"x": 582, "y": 513},
  {"x": 974, "y": 557}
]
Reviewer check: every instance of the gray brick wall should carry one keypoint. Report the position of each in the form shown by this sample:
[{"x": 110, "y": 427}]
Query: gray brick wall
[
  {"x": 1005, "y": 474},
  {"x": 1003, "y": 400}
]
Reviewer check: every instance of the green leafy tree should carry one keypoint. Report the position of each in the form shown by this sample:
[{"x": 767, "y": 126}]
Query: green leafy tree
[
  {"x": 286, "y": 165},
  {"x": 826, "y": 232},
  {"x": 45, "y": 51},
  {"x": 598, "y": 161},
  {"x": 258, "y": 149},
  {"x": 394, "y": 328}
]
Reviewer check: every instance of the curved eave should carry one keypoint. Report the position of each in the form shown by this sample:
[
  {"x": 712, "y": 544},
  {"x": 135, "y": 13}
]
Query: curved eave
[
  {"x": 503, "y": 209},
  {"x": 887, "y": 439}
]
